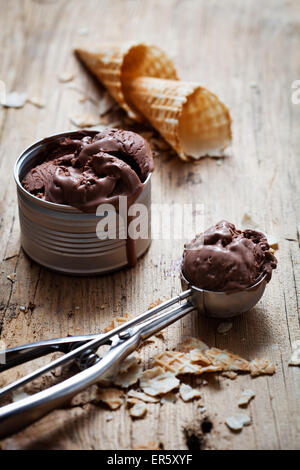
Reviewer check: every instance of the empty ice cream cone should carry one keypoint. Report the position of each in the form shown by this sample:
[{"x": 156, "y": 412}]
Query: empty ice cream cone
[
  {"x": 114, "y": 64},
  {"x": 143, "y": 80},
  {"x": 191, "y": 118}
]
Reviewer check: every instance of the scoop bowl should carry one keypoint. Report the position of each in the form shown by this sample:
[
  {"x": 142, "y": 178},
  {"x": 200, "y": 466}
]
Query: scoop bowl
[{"x": 225, "y": 304}]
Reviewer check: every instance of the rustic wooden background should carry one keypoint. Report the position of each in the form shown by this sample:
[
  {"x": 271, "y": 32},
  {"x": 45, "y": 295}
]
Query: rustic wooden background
[{"x": 248, "y": 53}]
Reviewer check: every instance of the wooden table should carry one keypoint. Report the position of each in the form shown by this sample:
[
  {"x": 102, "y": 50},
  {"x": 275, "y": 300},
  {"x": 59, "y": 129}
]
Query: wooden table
[{"x": 248, "y": 53}]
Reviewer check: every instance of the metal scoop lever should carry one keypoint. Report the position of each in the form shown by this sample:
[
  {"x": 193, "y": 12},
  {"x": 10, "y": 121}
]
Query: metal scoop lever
[
  {"x": 34, "y": 350},
  {"x": 28, "y": 352}
]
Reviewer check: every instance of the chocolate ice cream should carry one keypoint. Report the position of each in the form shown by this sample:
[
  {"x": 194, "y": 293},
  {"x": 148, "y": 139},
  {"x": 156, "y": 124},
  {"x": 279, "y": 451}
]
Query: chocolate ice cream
[
  {"x": 225, "y": 259},
  {"x": 93, "y": 170}
]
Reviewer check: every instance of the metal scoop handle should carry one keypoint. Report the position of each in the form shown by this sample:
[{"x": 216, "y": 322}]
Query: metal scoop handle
[
  {"x": 37, "y": 348},
  {"x": 15, "y": 416}
]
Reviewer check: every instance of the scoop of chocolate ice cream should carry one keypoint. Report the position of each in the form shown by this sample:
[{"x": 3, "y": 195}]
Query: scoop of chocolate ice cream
[
  {"x": 93, "y": 170},
  {"x": 224, "y": 259}
]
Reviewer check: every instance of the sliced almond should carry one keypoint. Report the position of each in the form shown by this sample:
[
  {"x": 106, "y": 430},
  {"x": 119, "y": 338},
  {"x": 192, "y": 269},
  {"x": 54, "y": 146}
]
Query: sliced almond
[
  {"x": 188, "y": 393},
  {"x": 295, "y": 357},
  {"x": 246, "y": 397},
  {"x": 36, "y": 101},
  {"x": 157, "y": 381},
  {"x": 138, "y": 410},
  {"x": 14, "y": 100},
  {"x": 261, "y": 367},
  {"x": 129, "y": 377},
  {"x": 113, "y": 397},
  {"x": 230, "y": 374},
  {"x": 236, "y": 422},
  {"x": 66, "y": 76},
  {"x": 142, "y": 396}
]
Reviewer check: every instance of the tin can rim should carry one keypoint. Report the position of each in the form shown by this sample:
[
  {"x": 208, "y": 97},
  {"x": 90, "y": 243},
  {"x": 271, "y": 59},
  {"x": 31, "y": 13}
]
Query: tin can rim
[{"x": 24, "y": 155}]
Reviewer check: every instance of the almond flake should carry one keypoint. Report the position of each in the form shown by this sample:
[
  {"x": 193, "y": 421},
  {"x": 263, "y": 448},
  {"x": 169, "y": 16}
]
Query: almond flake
[
  {"x": 230, "y": 374},
  {"x": 65, "y": 77},
  {"x": 246, "y": 397},
  {"x": 188, "y": 393},
  {"x": 138, "y": 410},
  {"x": 261, "y": 367},
  {"x": 113, "y": 397},
  {"x": 14, "y": 100},
  {"x": 35, "y": 101},
  {"x": 295, "y": 357},
  {"x": 236, "y": 422},
  {"x": 157, "y": 381},
  {"x": 142, "y": 396},
  {"x": 130, "y": 377}
]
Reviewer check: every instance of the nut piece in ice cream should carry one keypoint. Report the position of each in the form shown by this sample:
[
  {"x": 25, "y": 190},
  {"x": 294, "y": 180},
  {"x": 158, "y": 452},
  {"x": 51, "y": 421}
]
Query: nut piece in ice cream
[{"x": 226, "y": 259}]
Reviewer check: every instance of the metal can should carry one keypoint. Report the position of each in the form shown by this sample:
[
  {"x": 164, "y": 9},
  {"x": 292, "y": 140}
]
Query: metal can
[{"x": 61, "y": 237}]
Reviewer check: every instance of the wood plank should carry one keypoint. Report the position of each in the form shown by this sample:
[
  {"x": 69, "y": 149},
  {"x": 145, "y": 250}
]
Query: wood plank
[{"x": 246, "y": 52}]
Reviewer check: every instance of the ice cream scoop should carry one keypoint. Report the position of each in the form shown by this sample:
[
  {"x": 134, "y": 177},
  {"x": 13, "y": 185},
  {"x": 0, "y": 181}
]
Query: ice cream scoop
[
  {"x": 122, "y": 340},
  {"x": 93, "y": 170},
  {"x": 224, "y": 259}
]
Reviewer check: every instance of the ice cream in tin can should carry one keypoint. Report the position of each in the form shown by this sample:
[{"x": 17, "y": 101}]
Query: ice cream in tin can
[{"x": 84, "y": 200}]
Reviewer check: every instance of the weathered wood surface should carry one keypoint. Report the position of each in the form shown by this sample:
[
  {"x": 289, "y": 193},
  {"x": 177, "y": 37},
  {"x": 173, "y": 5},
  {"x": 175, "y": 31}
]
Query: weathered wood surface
[{"x": 248, "y": 53}]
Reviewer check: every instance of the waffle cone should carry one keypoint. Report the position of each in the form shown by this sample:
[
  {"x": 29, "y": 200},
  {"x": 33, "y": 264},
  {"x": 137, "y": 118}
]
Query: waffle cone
[
  {"x": 114, "y": 65},
  {"x": 190, "y": 118}
]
